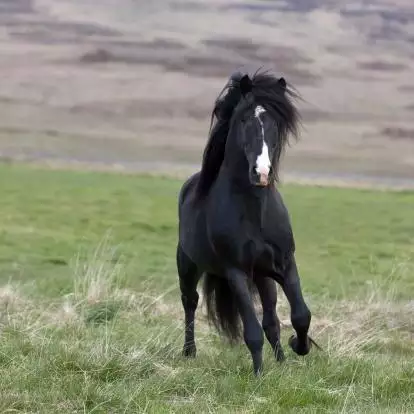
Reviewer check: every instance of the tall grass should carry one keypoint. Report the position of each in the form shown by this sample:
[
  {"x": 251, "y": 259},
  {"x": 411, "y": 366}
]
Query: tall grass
[{"x": 105, "y": 348}]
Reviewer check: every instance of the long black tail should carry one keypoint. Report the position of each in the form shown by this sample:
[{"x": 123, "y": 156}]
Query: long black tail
[{"x": 222, "y": 308}]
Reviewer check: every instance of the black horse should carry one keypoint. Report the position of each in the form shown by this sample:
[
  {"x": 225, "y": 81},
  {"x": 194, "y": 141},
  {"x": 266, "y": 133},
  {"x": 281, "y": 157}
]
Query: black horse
[{"x": 233, "y": 225}]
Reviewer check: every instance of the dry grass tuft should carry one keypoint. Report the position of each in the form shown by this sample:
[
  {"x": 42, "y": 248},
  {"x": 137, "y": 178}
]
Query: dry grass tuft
[
  {"x": 346, "y": 326},
  {"x": 374, "y": 319}
]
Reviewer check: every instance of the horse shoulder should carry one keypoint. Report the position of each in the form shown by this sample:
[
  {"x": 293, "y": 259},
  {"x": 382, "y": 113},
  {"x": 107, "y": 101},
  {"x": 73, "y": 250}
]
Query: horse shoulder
[
  {"x": 188, "y": 188},
  {"x": 277, "y": 226},
  {"x": 190, "y": 215},
  {"x": 221, "y": 217}
]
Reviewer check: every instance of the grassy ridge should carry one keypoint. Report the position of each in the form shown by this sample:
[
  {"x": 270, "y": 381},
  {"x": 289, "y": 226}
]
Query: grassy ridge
[{"x": 92, "y": 323}]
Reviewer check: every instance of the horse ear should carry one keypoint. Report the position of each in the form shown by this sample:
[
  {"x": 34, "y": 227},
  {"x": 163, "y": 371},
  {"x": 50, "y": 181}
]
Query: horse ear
[
  {"x": 236, "y": 76},
  {"x": 245, "y": 85},
  {"x": 282, "y": 83}
]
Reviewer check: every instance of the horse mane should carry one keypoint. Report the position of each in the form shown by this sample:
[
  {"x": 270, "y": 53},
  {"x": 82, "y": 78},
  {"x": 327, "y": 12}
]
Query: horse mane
[
  {"x": 273, "y": 94},
  {"x": 222, "y": 113}
]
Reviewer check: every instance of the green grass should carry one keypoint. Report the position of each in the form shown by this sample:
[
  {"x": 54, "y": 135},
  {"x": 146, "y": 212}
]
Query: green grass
[{"x": 91, "y": 321}]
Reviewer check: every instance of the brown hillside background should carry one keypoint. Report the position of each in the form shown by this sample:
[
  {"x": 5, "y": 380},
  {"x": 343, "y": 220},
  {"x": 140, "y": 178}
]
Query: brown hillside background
[{"x": 133, "y": 82}]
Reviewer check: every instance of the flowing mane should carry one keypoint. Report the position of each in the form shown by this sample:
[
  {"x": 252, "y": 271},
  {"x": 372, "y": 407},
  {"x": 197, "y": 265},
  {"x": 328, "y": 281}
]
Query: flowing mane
[
  {"x": 214, "y": 151},
  {"x": 273, "y": 94}
]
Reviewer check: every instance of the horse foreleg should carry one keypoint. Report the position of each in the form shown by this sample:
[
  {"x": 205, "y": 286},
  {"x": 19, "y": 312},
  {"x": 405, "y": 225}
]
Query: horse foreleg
[
  {"x": 252, "y": 331},
  {"x": 300, "y": 314},
  {"x": 189, "y": 277},
  {"x": 271, "y": 324}
]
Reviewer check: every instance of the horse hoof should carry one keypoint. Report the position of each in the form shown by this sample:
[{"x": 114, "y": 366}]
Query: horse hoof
[
  {"x": 258, "y": 371},
  {"x": 189, "y": 351},
  {"x": 280, "y": 355},
  {"x": 299, "y": 350}
]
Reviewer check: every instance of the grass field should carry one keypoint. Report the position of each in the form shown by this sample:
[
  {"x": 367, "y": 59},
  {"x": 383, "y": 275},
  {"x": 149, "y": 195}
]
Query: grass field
[{"x": 91, "y": 321}]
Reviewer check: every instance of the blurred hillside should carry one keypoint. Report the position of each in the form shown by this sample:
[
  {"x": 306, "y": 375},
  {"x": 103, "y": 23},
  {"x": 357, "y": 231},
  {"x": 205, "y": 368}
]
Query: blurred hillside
[{"x": 133, "y": 82}]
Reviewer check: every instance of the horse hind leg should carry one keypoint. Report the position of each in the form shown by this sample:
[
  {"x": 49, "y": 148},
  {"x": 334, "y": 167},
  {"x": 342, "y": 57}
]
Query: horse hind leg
[
  {"x": 188, "y": 278},
  {"x": 300, "y": 313},
  {"x": 270, "y": 323}
]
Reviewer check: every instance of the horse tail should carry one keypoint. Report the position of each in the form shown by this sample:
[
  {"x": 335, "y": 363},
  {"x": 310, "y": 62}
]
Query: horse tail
[{"x": 222, "y": 308}]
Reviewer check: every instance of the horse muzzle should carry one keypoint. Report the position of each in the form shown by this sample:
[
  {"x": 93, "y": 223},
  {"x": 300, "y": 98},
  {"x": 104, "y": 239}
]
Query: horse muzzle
[
  {"x": 263, "y": 173},
  {"x": 260, "y": 178},
  {"x": 263, "y": 179}
]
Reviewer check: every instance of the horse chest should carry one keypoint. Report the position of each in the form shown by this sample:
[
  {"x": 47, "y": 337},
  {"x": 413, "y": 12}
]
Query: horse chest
[
  {"x": 236, "y": 240},
  {"x": 246, "y": 231},
  {"x": 242, "y": 241}
]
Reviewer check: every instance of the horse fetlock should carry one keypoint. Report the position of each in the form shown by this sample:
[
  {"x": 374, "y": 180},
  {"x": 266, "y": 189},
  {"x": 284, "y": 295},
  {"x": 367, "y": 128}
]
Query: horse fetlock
[
  {"x": 301, "y": 320},
  {"x": 257, "y": 358},
  {"x": 255, "y": 344},
  {"x": 190, "y": 350}
]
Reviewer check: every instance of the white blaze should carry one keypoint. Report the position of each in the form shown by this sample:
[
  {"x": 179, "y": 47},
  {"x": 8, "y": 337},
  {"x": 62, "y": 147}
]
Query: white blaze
[{"x": 263, "y": 163}]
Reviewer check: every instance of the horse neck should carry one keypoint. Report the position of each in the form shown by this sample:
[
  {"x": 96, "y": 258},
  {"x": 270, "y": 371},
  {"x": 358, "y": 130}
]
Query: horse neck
[
  {"x": 236, "y": 169},
  {"x": 252, "y": 199}
]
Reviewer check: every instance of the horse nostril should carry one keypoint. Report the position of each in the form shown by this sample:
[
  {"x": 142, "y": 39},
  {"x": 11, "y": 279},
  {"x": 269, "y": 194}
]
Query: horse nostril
[{"x": 271, "y": 170}]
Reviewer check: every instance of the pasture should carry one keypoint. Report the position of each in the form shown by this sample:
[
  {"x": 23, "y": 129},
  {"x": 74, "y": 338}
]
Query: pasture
[{"x": 91, "y": 318}]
